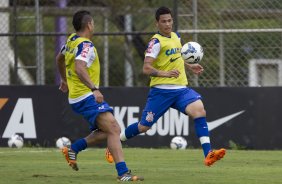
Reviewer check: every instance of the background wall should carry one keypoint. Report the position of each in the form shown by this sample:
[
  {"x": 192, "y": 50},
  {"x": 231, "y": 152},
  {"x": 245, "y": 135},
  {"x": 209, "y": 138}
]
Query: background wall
[{"x": 247, "y": 117}]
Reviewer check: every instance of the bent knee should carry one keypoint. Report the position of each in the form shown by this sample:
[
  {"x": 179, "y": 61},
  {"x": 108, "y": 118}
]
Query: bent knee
[
  {"x": 199, "y": 112},
  {"x": 115, "y": 127},
  {"x": 112, "y": 127},
  {"x": 196, "y": 110}
]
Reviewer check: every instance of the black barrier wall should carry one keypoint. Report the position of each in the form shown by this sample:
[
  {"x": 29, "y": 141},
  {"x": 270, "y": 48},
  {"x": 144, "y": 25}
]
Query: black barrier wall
[{"x": 248, "y": 117}]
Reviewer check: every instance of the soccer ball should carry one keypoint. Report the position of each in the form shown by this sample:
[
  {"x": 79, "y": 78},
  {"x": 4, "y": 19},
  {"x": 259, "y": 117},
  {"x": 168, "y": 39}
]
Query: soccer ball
[
  {"x": 178, "y": 142},
  {"x": 15, "y": 141},
  {"x": 63, "y": 142},
  {"x": 192, "y": 52}
]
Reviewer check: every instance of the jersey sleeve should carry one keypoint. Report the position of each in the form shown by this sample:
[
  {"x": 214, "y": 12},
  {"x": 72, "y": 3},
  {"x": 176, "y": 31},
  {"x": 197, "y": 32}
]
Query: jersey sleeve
[
  {"x": 63, "y": 50},
  {"x": 178, "y": 35},
  {"x": 153, "y": 48},
  {"x": 85, "y": 52}
]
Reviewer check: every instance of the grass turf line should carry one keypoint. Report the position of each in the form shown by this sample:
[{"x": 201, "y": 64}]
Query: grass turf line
[{"x": 47, "y": 165}]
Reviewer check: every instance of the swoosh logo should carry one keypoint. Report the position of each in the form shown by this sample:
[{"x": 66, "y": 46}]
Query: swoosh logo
[
  {"x": 3, "y": 101},
  {"x": 216, "y": 123},
  {"x": 173, "y": 59}
]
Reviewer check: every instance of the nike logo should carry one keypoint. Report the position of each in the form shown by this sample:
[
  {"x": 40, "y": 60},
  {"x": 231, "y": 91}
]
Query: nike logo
[
  {"x": 216, "y": 123},
  {"x": 173, "y": 59}
]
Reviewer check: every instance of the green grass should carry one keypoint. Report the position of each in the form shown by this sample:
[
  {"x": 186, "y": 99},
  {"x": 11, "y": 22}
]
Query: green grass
[{"x": 159, "y": 166}]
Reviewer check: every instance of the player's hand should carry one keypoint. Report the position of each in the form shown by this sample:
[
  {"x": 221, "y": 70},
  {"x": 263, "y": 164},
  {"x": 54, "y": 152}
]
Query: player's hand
[
  {"x": 195, "y": 68},
  {"x": 63, "y": 86},
  {"x": 98, "y": 96},
  {"x": 173, "y": 73}
]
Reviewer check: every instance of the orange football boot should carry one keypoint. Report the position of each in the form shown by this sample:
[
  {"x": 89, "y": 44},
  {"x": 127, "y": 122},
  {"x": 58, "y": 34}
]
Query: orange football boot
[
  {"x": 70, "y": 156},
  {"x": 128, "y": 176},
  {"x": 214, "y": 156},
  {"x": 109, "y": 156}
]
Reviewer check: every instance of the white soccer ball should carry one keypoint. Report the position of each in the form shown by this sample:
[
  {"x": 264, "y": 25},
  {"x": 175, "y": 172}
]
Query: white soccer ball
[
  {"x": 15, "y": 141},
  {"x": 63, "y": 142},
  {"x": 192, "y": 52},
  {"x": 178, "y": 142}
]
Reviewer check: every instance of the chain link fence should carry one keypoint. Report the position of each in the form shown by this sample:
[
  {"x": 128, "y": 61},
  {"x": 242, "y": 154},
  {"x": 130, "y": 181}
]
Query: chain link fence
[{"x": 242, "y": 39}]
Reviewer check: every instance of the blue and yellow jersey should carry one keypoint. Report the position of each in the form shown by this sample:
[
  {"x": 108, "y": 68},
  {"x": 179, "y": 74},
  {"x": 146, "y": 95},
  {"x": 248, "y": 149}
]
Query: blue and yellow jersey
[
  {"x": 78, "y": 48},
  {"x": 169, "y": 58}
]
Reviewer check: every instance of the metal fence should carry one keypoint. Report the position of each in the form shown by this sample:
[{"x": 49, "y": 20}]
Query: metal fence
[{"x": 242, "y": 39}]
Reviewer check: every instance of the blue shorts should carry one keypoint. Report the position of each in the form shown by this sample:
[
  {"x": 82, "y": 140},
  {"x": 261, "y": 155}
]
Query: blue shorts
[
  {"x": 160, "y": 100},
  {"x": 90, "y": 109}
]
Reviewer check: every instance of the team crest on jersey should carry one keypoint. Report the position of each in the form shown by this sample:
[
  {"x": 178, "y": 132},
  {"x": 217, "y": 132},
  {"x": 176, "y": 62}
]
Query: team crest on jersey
[{"x": 150, "y": 116}]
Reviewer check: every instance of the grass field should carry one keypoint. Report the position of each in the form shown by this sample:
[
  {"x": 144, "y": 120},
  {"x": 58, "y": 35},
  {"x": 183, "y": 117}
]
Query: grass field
[{"x": 162, "y": 166}]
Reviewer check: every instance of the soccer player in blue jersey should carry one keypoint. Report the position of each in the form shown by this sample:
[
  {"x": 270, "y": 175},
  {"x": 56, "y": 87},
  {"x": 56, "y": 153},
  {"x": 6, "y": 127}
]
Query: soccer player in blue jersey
[
  {"x": 79, "y": 68},
  {"x": 164, "y": 64}
]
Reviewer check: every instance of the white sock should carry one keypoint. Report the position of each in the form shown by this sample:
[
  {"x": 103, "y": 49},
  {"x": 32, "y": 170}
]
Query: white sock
[
  {"x": 122, "y": 136},
  {"x": 205, "y": 139}
]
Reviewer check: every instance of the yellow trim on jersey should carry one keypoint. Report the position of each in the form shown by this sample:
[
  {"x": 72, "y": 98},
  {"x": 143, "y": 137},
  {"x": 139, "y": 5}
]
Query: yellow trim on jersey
[
  {"x": 169, "y": 58},
  {"x": 76, "y": 87}
]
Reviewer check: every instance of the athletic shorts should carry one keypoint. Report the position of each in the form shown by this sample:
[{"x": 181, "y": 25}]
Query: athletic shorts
[
  {"x": 90, "y": 109},
  {"x": 160, "y": 100}
]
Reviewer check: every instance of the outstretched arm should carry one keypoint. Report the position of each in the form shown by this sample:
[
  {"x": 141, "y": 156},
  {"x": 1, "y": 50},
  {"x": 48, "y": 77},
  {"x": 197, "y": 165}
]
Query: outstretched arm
[
  {"x": 60, "y": 62},
  {"x": 148, "y": 69},
  {"x": 195, "y": 68}
]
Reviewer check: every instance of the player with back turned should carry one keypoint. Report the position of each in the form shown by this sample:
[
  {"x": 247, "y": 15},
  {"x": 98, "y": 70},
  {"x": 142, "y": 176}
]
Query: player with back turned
[
  {"x": 164, "y": 64},
  {"x": 79, "y": 68}
]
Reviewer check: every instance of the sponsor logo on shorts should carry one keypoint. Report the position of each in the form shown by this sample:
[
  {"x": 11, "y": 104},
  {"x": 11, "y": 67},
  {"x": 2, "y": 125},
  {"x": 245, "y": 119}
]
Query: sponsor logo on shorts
[{"x": 101, "y": 107}]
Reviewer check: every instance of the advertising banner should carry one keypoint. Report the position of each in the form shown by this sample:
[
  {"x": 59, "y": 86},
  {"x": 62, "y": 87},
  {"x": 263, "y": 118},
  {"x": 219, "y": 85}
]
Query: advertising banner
[{"x": 243, "y": 117}]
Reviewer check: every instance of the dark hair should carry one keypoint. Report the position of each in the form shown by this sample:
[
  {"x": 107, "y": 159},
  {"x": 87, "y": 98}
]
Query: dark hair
[
  {"x": 81, "y": 19},
  {"x": 161, "y": 11}
]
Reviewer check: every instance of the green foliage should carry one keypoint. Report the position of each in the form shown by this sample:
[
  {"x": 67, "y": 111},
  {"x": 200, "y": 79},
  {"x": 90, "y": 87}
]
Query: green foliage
[
  {"x": 235, "y": 146},
  {"x": 238, "y": 48}
]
